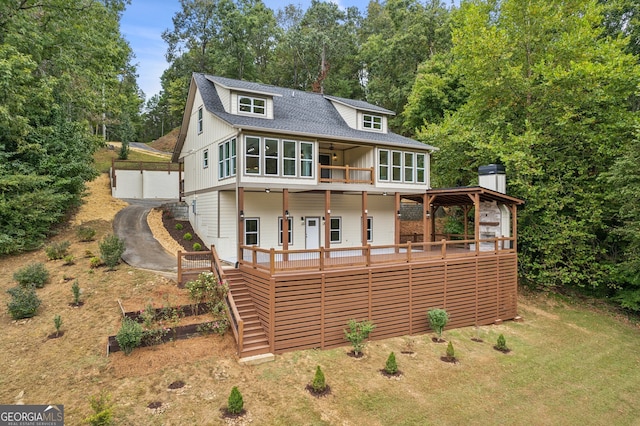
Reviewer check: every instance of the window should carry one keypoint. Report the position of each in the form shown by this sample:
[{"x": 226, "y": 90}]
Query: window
[
  {"x": 336, "y": 230},
  {"x": 397, "y": 166},
  {"x": 408, "y": 166},
  {"x": 421, "y": 168},
  {"x": 199, "y": 120},
  {"x": 289, "y": 158},
  {"x": 251, "y": 232},
  {"x": 383, "y": 165},
  {"x": 205, "y": 158},
  {"x": 372, "y": 122},
  {"x": 290, "y": 225},
  {"x": 275, "y": 157},
  {"x": 271, "y": 156},
  {"x": 250, "y": 105},
  {"x": 252, "y": 156},
  {"x": 306, "y": 159},
  {"x": 369, "y": 228},
  {"x": 227, "y": 159}
]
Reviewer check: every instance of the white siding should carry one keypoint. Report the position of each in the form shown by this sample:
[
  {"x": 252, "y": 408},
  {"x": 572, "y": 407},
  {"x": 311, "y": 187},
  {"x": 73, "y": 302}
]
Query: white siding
[
  {"x": 225, "y": 97},
  {"x": 269, "y": 103}
]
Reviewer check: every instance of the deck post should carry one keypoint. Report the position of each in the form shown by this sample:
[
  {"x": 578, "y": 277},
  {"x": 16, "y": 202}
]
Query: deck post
[
  {"x": 322, "y": 254},
  {"x": 254, "y": 257},
  {"x": 347, "y": 174},
  {"x": 272, "y": 314},
  {"x": 272, "y": 261},
  {"x": 476, "y": 219},
  {"x": 179, "y": 267},
  {"x": 368, "y": 249},
  {"x": 444, "y": 248},
  {"x": 408, "y": 251}
]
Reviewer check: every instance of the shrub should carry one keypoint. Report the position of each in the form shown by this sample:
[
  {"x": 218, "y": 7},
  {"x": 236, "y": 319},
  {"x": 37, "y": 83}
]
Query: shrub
[
  {"x": 102, "y": 410},
  {"x": 129, "y": 336},
  {"x": 197, "y": 247},
  {"x": 24, "y": 302},
  {"x": 235, "y": 403},
  {"x": 179, "y": 226},
  {"x": 34, "y": 274},
  {"x": 57, "y": 323},
  {"x": 207, "y": 289},
  {"x": 501, "y": 344},
  {"x": 88, "y": 254},
  {"x": 85, "y": 233},
  {"x": 391, "y": 367},
  {"x": 95, "y": 262},
  {"x": 69, "y": 259},
  {"x": 319, "y": 384},
  {"x": 187, "y": 236},
  {"x": 450, "y": 352},
  {"x": 111, "y": 249},
  {"x": 123, "y": 154},
  {"x": 56, "y": 251},
  {"x": 357, "y": 333},
  {"x": 75, "y": 289},
  {"x": 438, "y": 318}
]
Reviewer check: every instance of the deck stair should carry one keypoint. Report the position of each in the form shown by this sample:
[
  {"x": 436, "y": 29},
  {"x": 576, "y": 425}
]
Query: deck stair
[{"x": 255, "y": 340}]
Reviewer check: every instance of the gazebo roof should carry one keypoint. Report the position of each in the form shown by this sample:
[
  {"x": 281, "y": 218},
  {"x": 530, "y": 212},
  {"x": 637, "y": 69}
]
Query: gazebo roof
[{"x": 464, "y": 195}]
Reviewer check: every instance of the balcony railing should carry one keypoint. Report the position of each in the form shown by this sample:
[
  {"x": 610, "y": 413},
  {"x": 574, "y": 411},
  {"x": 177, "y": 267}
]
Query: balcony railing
[
  {"x": 273, "y": 261},
  {"x": 345, "y": 174}
]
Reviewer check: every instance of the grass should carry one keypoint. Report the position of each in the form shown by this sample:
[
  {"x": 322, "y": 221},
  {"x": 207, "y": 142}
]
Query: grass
[
  {"x": 570, "y": 363},
  {"x": 103, "y": 158}
]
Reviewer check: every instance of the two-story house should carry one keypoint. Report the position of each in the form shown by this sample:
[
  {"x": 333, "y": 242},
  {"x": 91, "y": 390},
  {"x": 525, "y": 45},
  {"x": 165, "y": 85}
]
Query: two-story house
[{"x": 301, "y": 192}]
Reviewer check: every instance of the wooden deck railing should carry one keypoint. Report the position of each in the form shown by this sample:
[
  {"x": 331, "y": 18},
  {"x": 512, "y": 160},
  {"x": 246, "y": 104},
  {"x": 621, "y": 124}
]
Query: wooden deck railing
[
  {"x": 236, "y": 322},
  {"x": 322, "y": 259},
  {"x": 346, "y": 174}
]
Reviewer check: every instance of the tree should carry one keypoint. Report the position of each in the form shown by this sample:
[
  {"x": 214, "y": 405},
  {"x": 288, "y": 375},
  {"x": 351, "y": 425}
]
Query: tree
[{"x": 547, "y": 97}]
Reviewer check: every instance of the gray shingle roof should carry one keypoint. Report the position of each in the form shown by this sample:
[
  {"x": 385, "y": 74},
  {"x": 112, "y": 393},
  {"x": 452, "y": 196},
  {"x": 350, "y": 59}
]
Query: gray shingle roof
[{"x": 297, "y": 112}]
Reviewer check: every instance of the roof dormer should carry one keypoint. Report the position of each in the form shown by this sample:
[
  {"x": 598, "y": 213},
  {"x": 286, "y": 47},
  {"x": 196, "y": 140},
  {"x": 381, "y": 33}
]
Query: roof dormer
[
  {"x": 361, "y": 115},
  {"x": 244, "y": 98}
]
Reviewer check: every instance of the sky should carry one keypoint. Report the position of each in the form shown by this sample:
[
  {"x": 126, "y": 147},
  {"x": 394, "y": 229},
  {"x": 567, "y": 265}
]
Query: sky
[{"x": 144, "y": 21}]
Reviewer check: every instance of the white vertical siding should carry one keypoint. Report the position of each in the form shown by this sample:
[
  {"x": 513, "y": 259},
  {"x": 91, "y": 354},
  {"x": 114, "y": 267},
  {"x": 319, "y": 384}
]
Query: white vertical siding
[{"x": 348, "y": 114}]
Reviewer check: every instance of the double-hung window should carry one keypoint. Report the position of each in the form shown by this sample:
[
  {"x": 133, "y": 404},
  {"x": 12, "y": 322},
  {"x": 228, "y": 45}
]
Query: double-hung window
[
  {"x": 280, "y": 229},
  {"x": 227, "y": 159},
  {"x": 372, "y": 122},
  {"x": 383, "y": 165},
  {"x": 421, "y": 168},
  {"x": 408, "y": 166},
  {"x": 251, "y": 232},
  {"x": 396, "y": 167},
  {"x": 289, "y": 150},
  {"x": 271, "y": 156},
  {"x": 306, "y": 159},
  {"x": 335, "y": 231},
  {"x": 402, "y": 166},
  {"x": 205, "y": 158},
  {"x": 200, "y": 125},
  {"x": 250, "y": 105},
  {"x": 252, "y": 155}
]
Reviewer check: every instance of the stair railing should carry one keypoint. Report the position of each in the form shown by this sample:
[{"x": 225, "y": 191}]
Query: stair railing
[{"x": 236, "y": 322}]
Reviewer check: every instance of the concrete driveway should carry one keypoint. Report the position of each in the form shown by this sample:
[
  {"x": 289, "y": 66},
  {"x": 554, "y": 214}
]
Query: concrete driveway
[{"x": 142, "y": 250}]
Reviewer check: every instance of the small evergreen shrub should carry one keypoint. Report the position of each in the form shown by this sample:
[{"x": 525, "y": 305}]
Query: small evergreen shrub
[
  {"x": 102, "y": 410},
  {"x": 235, "y": 404},
  {"x": 129, "y": 336},
  {"x": 69, "y": 259},
  {"x": 57, "y": 323},
  {"x": 111, "y": 249},
  {"x": 88, "y": 254},
  {"x": 438, "y": 318},
  {"x": 123, "y": 154},
  {"x": 197, "y": 247},
  {"x": 319, "y": 383},
  {"x": 24, "y": 302},
  {"x": 501, "y": 344},
  {"x": 391, "y": 367},
  {"x": 179, "y": 226},
  {"x": 57, "y": 251},
  {"x": 450, "y": 352},
  {"x": 357, "y": 333},
  {"x": 84, "y": 233},
  {"x": 34, "y": 274},
  {"x": 75, "y": 289},
  {"x": 187, "y": 236}
]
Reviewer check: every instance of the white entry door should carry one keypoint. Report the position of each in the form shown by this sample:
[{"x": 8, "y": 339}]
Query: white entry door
[{"x": 312, "y": 232}]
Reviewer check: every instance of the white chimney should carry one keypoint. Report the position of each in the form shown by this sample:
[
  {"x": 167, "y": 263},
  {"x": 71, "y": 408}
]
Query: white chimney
[{"x": 493, "y": 177}]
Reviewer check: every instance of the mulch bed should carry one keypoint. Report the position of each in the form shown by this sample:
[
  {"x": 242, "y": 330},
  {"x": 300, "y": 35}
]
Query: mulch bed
[
  {"x": 504, "y": 351},
  {"x": 391, "y": 376},
  {"x": 475, "y": 339},
  {"x": 437, "y": 340},
  {"x": 76, "y": 305},
  {"x": 154, "y": 405},
  {"x": 177, "y": 384},
  {"x": 451, "y": 359},
  {"x": 325, "y": 392},
  {"x": 55, "y": 335},
  {"x": 227, "y": 415},
  {"x": 352, "y": 354},
  {"x": 170, "y": 222}
]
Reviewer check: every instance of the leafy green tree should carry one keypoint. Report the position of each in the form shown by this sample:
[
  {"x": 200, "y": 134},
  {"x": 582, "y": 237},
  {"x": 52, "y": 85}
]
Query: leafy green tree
[{"x": 548, "y": 97}]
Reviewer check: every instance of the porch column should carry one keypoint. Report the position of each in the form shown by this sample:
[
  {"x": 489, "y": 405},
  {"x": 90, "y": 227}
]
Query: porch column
[
  {"x": 427, "y": 219},
  {"x": 327, "y": 219},
  {"x": 365, "y": 212},
  {"x": 396, "y": 221},
  {"x": 285, "y": 220},
  {"x": 514, "y": 225},
  {"x": 476, "y": 219},
  {"x": 240, "y": 221},
  {"x": 465, "y": 210}
]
